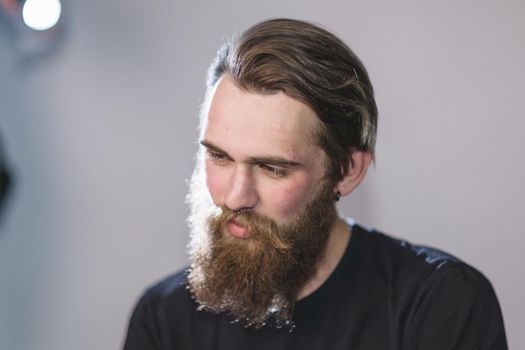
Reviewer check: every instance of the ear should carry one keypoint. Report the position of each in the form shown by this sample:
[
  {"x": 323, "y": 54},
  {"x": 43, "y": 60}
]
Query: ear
[{"x": 357, "y": 167}]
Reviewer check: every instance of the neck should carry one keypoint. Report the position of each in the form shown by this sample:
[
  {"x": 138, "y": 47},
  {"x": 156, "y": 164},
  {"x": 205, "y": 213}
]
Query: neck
[{"x": 335, "y": 249}]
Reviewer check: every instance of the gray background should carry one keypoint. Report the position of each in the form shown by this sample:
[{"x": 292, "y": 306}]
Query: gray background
[{"x": 101, "y": 137}]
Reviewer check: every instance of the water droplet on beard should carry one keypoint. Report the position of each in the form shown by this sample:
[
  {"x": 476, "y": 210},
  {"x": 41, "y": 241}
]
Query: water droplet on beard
[{"x": 292, "y": 327}]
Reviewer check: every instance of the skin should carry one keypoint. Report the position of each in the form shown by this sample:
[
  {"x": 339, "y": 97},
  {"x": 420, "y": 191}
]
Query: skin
[{"x": 260, "y": 155}]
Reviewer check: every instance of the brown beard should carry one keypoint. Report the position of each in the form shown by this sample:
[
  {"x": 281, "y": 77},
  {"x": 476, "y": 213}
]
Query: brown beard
[{"x": 257, "y": 279}]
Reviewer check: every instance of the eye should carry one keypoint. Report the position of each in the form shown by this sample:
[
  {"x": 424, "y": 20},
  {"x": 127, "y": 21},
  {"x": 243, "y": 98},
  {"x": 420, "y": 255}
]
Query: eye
[
  {"x": 273, "y": 171},
  {"x": 216, "y": 157}
]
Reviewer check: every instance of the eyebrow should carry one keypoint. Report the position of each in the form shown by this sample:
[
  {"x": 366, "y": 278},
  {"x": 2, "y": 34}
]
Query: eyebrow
[{"x": 270, "y": 160}]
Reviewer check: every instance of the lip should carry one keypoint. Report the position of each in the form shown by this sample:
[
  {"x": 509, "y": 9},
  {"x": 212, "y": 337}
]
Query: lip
[{"x": 236, "y": 230}]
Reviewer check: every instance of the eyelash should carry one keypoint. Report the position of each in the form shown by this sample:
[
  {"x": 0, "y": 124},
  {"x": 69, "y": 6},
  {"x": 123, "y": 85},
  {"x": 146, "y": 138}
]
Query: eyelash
[
  {"x": 215, "y": 157},
  {"x": 220, "y": 159},
  {"x": 276, "y": 172}
]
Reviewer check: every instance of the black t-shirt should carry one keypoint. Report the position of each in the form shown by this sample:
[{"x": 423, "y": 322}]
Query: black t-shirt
[{"x": 384, "y": 294}]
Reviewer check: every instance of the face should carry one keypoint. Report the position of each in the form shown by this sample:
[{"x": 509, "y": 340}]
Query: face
[
  {"x": 261, "y": 205},
  {"x": 260, "y": 152}
]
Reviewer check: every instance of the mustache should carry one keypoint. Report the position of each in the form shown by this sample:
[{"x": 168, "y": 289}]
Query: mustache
[{"x": 260, "y": 227}]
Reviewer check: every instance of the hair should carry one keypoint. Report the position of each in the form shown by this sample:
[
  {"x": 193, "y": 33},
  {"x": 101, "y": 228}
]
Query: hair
[{"x": 312, "y": 65}]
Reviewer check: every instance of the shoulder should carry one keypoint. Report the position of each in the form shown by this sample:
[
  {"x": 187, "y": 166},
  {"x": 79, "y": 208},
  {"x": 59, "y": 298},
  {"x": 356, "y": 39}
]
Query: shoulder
[
  {"x": 454, "y": 307},
  {"x": 169, "y": 284},
  {"x": 168, "y": 293},
  {"x": 402, "y": 264},
  {"x": 157, "y": 307},
  {"x": 166, "y": 290},
  {"x": 439, "y": 299},
  {"x": 387, "y": 249},
  {"x": 413, "y": 265}
]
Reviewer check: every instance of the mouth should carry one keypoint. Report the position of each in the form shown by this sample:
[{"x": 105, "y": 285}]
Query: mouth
[{"x": 235, "y": 229}]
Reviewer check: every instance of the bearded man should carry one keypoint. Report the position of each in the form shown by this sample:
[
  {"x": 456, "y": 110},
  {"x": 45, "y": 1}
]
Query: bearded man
[{"x": 288, "y": 126}]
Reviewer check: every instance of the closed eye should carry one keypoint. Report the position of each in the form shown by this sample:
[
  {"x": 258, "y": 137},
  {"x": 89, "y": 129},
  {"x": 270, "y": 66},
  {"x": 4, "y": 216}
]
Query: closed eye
[
  {"x": 216, "y": 157},
  {"x": 273, "y": 171}
]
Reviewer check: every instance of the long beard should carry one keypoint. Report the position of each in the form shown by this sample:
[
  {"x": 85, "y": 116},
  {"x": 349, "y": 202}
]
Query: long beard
[{"x": 257, "y": 279}]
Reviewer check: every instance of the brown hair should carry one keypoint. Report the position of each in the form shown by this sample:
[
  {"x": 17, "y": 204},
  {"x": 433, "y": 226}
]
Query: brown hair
[{"x": 315, "y": 67}]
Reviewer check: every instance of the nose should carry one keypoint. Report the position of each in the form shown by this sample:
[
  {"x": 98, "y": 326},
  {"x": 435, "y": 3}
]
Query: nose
[{"x": 241, "y": 192}]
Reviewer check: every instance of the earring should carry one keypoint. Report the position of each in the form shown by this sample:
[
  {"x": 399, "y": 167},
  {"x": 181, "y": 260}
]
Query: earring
[{"x": 337, "y": 196}]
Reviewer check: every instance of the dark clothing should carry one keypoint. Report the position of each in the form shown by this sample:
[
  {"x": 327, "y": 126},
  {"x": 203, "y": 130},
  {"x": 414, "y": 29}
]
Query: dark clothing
[{"x": 384, "y": 294}]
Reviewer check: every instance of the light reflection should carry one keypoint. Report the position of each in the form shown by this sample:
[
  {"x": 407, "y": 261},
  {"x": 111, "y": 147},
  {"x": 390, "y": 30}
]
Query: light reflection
[{"x": 41, "y": 14}]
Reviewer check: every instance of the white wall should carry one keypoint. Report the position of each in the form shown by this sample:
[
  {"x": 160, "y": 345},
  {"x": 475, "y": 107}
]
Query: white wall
[{"x": 101, "y": 137}]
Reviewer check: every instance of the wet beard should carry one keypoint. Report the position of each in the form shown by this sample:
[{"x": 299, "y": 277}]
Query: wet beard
[{"x": 257, "y": 279}]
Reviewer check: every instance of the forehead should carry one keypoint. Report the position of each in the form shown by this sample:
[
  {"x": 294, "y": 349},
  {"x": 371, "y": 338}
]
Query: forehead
[{"x": 239, "y": 120}]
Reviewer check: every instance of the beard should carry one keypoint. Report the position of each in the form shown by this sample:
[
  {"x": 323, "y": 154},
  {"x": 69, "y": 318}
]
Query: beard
[{"x": 256, "y": 280}]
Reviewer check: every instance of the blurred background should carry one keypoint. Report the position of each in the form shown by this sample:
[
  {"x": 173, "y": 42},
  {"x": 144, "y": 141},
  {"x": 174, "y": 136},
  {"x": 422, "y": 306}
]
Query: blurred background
[{"x": 98, "y": 119}]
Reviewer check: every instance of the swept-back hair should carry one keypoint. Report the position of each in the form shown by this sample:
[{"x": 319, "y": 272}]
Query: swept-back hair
[{"x": 312, "y": 65}]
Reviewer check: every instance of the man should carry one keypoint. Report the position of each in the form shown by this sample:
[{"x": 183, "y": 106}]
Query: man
[{"x": 288, "y": 127}]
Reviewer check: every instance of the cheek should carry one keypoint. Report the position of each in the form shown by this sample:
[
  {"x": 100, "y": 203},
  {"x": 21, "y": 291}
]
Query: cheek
[
  {"x": 215, "y": 183},
  {"x": 290, "y": 199}
]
